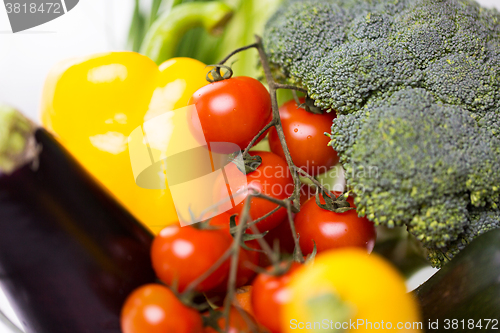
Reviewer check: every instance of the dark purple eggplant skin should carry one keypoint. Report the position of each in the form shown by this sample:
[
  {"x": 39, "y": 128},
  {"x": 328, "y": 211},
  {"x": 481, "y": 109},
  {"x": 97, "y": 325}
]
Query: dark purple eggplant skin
[{"x": 69, "y": 253}]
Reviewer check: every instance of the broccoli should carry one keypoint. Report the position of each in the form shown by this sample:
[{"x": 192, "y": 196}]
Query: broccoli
[
  {"x": 422, "y": 164},
  {"x": 416, "y": 86},
  {"x": 480, "y": 221}
]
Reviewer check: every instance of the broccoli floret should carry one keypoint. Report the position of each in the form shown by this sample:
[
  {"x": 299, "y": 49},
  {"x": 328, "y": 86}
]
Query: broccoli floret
[
  {"x": 480, "y": 221},
  {"x": 416, "y": 86},
  {"x": 415, "y": 162},
  {"x": 348, "y": 52},
  {"x": 466, "y": 81}
]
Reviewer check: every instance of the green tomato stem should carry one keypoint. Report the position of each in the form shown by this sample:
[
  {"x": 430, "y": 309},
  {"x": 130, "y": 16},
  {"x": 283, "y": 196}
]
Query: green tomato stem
[
  {"x": 231, "y": 285},
  {"x": 163, "y": 37},
  {"x": 277, "y": 125}
]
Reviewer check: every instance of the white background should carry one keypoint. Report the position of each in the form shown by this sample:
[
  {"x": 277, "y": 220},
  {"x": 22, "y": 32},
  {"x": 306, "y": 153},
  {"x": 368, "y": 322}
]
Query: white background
[
  {"x": 92, "y": 26},
  {"x": 26, "y": 57}
]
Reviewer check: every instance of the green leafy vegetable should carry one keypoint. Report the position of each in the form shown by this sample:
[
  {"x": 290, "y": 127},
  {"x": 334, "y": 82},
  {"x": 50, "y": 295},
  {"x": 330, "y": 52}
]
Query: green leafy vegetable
[{"x": 416, "y": 85}]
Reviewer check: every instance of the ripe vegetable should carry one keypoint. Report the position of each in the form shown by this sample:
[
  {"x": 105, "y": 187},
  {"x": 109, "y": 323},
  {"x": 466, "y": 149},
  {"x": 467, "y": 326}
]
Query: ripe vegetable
[
  {"x": 93, "y": 104},
  {"x": 271, "y": 178},
  {"x": 239, "y": 322},
  {"x": 154, "y": 308},
  {"x": 243, "y": 298},
  {"x": 180, "y": 255},
  {"x": 437, "y": 177},
  {"x": 349, "y": 284},
  {"x": 282, "y": 234},
  {"x": 69, "y": 253},
  {"x": 474, "y": 271},
  {"x": 222, "y": 222},
  {"x": 232, "y": 110},
  {"x": 418, "y": 114},
  {"x": 247, "y": 259},
  {"x": 304, "y": 134},
  {"x": 269, "y": 294},
  {"x": 331, "y": 230},
  {"x": 436, "y": 45}
]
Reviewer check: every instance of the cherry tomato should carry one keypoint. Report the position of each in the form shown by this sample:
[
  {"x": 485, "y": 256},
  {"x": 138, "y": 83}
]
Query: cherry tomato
[
  {"x": 239, "y": 322},
  {"x": 243, "y": 298},
  {"x": 271, "y": 178},
  {"x": 232, "y": 110},
  {"x": 154, "y": 308},
  {"x": 283, "y": 235},
  {"x": 269, "y": 294},
  {"x": 331, "y": 230},
  {"x": 304, "y": 134},
  {"x": 247, "y": 262},
  {"x": 221, "y": 221},
  {"x": 247, "y": 259},
  {"x": 350, "y": 282},
  {"x": 180, "y": 255},
  {"x": 306, "y": 192}
]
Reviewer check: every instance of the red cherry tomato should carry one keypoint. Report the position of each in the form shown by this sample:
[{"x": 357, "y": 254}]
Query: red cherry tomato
[
  {"x": 240, "y": 321},
  {"x": 269, "y": 294},
  {"x": 180, "y": 255},
  {"x": 304, "y": 134},
  {"x": 247, "y": 262},
  {"x": 243, "y": 299},
  {"x": 283, "y": 235},
  {"x": 221, "y": 222},
  {"x": 247, "y": 259},
  {"x": 306, "y": 192},
  {"x": 232, "y": 110},
  {"x": 332, "y": 230},
  {"x": 271, "y": 178},
  {"x": 153, "y": 308}
]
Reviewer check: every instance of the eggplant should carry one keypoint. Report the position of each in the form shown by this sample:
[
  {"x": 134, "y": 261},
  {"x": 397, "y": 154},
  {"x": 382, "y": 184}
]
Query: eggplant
[
  {"x": 465, "y": 289},
  {"x": 69, "y": 253}
]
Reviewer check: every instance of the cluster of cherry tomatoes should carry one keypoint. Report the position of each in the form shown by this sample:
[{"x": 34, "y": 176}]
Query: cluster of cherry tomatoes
[{"x": 197, "y": 258}]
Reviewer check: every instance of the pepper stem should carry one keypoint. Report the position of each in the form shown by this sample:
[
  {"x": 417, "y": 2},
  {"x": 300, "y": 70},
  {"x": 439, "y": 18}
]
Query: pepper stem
[
  {"x": 16, "y": 140},
  {"x": 163, "y": 37},
  {"x": 329, "y": 305}
]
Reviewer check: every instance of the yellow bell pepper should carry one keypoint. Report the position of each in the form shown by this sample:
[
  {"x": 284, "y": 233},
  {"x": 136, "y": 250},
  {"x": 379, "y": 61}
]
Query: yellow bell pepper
[
  {"x": 92, "y": 105},
  {"x": 348, "y": 290}
]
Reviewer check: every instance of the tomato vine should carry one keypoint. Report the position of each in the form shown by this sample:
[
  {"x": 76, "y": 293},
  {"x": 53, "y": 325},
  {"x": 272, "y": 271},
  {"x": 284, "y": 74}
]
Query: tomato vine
[
  {"x": 292, "y": 203},
  {"x": 242, "y": 228}
]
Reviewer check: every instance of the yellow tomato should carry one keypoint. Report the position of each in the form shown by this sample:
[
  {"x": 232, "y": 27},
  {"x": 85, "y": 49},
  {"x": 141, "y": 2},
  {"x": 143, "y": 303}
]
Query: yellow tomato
[
  {"x": 348, "y": 290},
  {"x": 92, "y": 105}
]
